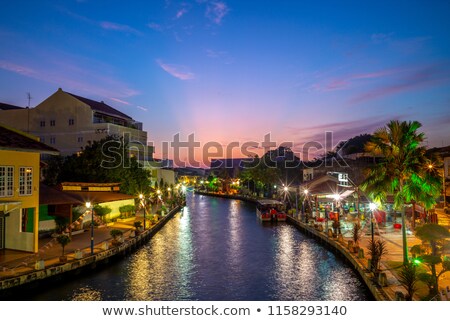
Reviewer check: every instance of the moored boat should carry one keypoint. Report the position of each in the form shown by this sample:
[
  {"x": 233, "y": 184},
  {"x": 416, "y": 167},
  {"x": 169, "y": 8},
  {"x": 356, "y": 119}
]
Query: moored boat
[{"x": 268, "y": 210}]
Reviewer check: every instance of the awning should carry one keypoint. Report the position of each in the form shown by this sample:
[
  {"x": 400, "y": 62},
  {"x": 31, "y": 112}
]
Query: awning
[{"x": 8, "y": 206}]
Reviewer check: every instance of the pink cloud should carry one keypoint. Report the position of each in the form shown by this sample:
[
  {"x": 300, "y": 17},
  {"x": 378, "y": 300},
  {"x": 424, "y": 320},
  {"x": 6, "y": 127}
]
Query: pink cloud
[
  {"x": 18, "y": 69},
  {"x": 419, "y": 78},
  {"x": 216, "y": 11},
  {"x": 177, "y": 71},
  {"x": 181, "y": 13},
  {"x": 72, "y": 78},
  {"x": 120, "y": 101}
]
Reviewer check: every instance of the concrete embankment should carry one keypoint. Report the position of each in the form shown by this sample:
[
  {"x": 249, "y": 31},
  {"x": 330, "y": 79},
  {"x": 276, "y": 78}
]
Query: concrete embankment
[{"x": 58, "y": 271}]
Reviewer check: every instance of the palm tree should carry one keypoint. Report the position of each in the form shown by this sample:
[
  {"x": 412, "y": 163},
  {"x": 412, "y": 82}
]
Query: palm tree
[{"x": 402, "y": 172}]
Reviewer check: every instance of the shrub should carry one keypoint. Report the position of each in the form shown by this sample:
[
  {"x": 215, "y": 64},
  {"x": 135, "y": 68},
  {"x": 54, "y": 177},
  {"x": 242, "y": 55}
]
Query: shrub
[
  {"x": 63, "y": 240},
  {"x": 116, "y": 233}
]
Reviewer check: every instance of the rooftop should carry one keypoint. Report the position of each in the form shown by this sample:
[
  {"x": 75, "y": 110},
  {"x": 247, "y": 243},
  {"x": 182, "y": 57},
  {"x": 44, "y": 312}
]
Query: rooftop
[
  {"x": 4, "y": 106},
  {"x": 101, "y": 107},
  {"x": 11, "y": 139}
]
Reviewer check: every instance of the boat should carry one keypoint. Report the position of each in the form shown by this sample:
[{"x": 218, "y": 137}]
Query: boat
[{"x": 268, "y": 210}]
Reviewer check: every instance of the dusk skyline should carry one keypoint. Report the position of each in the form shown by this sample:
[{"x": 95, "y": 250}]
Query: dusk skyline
[{"x": 237, "y": 70}]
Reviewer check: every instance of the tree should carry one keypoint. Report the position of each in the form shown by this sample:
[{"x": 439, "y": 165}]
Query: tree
[
  {"x": 435, "y": 236},
  {"x": 103, "y": 161},
  {"x": 63, "y": 240},
  {"x": 102, "y": 211},
  {"x": 402, "y": 169}
]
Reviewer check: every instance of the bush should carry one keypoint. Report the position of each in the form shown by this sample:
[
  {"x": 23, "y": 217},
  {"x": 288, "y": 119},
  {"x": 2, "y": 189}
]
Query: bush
[
  {"x": 116, "y": 233},
  {"x": 101, "y": 211}
]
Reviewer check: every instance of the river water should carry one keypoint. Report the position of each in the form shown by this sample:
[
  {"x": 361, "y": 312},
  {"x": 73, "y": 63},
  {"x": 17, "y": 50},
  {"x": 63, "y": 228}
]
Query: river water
[{"x": 216, "y": 249}]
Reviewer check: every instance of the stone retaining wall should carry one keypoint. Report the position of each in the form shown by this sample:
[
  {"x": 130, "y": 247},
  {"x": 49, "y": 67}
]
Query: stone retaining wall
[{"x": 89, "y": 262}]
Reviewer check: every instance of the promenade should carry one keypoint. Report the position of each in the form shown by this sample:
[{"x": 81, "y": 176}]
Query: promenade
[
  {"x": 16, "y": 263},
  {"x": 390, "y": 263}
]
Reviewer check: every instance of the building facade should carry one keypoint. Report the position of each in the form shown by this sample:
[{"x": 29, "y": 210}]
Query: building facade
[
  {"x": 69, "y": 122},
  {"x": 19, "y": 189}
]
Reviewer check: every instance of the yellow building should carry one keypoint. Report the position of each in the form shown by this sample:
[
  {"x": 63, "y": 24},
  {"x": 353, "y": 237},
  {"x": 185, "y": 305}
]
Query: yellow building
[
  {"x": 19, "y": 189},
  {"x": 69, "y": 122}
]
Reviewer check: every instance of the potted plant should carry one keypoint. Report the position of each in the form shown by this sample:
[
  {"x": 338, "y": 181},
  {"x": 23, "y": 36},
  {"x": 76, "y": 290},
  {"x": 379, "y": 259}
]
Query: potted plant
[
  {"x": 63, "y": 240},
  {"x": 116, "y": 234},
  {"x": 138, "y": 227}
]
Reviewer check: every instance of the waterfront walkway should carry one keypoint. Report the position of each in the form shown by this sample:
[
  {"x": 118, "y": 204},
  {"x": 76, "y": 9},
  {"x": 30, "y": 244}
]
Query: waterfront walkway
[{"x": 16, "y": 263}]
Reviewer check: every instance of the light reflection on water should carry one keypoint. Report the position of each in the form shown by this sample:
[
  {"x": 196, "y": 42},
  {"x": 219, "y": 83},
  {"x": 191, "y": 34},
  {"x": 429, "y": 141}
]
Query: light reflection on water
[{"x": 216, "y": 249}]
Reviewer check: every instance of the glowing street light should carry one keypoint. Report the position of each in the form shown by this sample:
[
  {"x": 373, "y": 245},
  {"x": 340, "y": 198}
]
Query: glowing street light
[
  {"x": 372, "y": 207},
  {"x": 88, "y": 206},
  {"x": 141, "y": 197}
]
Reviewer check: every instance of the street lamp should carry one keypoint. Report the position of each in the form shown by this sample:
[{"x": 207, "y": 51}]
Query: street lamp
[
  {"x": 303, "y": 205},
  {"x": 372, "y": 207},
  {"x": 141, "y": 197},
  {"x": 88, "y": 206}
]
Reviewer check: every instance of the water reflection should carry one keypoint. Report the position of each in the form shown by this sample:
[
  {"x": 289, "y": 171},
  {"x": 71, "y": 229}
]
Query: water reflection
[{"x": 216, "y": 249}]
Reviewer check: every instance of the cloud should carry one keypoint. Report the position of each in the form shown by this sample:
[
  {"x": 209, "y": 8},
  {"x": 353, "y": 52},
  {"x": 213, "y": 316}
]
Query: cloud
[
  {"x": 177, "y": 71},
  {"x": 72, "y": 77},
  {"x": 415, "y": 79},
  {"x": 155, "y": 26},
  {"x": 118, "y": 27},
  {"x": 346, "y": 82},
  {"x": 181, "y": 13},
  {"x": 120, "y": 101},
  {"x": 142, "y": 108},
  {"x": 18, "y": 69},
  {"x": 341, "y": 131},
  {"x": 216, "y": 11}
]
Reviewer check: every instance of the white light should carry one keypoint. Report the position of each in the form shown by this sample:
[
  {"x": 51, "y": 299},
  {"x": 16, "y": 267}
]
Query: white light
[
  {"x": 336, "y": 196},
  {"x": 286, "y": 188},
  {"x": 305, "y": 191},
  {"x": 183, "y": 188},
  {"x": 141, "y": 196},
  {"x": 88, "y": 204},
  {"x": 372, "y": 206}
]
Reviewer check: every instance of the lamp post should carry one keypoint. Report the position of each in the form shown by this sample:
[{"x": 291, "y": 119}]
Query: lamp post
[
  {"x": 337, "y": 212},
  {"x": 88, "y": 206},
  {"x": 141, "y": 197},
  {"x": 372, "y": 207},
  {"x": 303, "y": 205}
]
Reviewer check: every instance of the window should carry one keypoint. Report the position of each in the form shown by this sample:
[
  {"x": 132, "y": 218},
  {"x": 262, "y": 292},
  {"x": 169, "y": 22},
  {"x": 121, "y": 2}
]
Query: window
[
  {"x": 42, "y": 139},
  {"x": 6, "y": 181},
  {"x": 52, "y": 140},
  {"x": 52, "y": 122},
  {"x": 80, "y": 139},
  {"x": 25, "y": 180},
  {"x": 42, "y": 123},
  {"x": 71, "y": 122}
]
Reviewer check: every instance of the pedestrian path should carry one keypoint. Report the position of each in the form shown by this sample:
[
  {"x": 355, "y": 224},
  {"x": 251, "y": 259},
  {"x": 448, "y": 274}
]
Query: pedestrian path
[{"x": 15, "y": 263}]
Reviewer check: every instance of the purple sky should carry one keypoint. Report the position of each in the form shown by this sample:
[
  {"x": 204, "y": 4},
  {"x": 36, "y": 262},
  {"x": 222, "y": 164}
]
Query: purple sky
[{"x": 237, "y": 70}]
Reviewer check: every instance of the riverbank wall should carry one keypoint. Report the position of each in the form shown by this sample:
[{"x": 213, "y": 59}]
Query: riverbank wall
[
  {"x": 336, "y": 245},
  {"x": 53, "y": 271}
]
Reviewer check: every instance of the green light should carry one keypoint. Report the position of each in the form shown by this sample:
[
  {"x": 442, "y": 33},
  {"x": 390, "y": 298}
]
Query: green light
[{"x": 416, "y": 261}]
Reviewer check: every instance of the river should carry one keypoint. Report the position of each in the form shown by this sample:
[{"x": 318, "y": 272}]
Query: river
[{"x": 216, "y": 249}]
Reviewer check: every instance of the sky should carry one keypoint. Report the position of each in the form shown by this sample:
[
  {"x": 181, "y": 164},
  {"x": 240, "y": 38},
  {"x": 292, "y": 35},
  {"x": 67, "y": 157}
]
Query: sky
[{"x": 230, "y": 71}]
